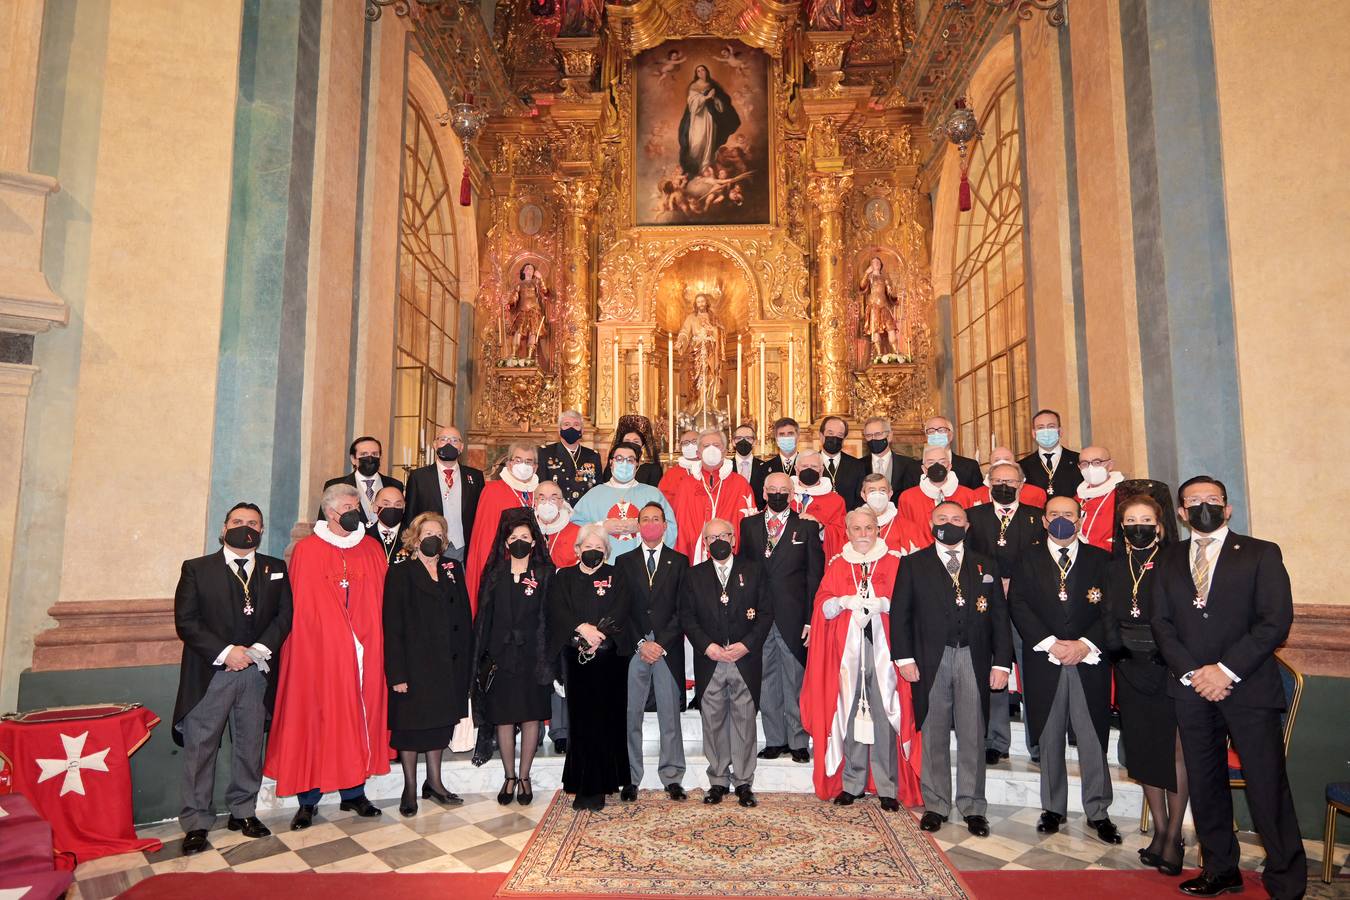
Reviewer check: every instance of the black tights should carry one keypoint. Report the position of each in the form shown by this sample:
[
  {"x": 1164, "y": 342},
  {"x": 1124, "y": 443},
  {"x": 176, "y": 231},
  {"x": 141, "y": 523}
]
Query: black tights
[
  {"x": 408, "y": 760},
  {"x": 506, "y": 743},
  {"x": 1168, "y": 809}
]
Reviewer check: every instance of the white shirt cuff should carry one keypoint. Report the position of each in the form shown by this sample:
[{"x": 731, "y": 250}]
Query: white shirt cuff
[
  {"x": 1186, "y": 679},
  {"x": 907, "y": 661},
  {"x": 1045, "y": 645},
  {"x": 1094, "y": 655},
  {"x": 1003, "y": 669},
  {"x": 220, "y": 660},
  {"x": 1230, "y": 673}
]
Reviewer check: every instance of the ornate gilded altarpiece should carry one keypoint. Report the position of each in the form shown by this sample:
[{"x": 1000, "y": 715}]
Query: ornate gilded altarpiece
[{"x": 664, "y": 295}]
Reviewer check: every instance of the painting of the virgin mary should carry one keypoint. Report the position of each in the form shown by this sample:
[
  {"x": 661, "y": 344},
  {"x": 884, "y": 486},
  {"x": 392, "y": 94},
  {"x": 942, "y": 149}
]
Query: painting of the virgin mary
[{"x": 709, "y": 119}]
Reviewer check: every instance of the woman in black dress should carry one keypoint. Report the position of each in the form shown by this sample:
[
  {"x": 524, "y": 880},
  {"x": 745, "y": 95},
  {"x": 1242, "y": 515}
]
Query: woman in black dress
[
  {"x": 637, "y": 430},
  {"x": 428, "y": 636},
  {"x": 513, "y": 679},
  {"x": 1148, "y": 723},
  {"x": 588, "y": 624}
]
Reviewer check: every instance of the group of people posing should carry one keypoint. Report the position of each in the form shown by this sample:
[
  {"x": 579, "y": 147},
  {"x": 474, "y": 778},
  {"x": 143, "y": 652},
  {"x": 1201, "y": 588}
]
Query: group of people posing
[{"x": 862, "y": 609}]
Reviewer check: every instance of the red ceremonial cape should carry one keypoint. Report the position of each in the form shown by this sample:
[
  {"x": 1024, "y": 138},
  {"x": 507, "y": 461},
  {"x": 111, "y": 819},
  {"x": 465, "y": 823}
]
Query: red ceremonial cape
[
  {"x": 694, "y": 507},
  {"x": 562, "y": 547},
  {"x": 329, "y": 728},
  {"x": 496, "y": 497},
  {"x": 1099, "y": 520},
  {"x": 917, "y": 507},
  {"x": 903, "y": 535},
  {"x": 820, "y": 685},
  {"x": 1029, "y": 495},
  {"x": 670, "y": 482},
  {"x": 828, "y": 509}
]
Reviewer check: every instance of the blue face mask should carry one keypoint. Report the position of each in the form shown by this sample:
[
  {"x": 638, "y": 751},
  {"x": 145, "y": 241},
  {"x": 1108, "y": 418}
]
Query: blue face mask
[
  {"x": 939, "y": 439},
  {"x": 1047, "y": 437},
  {"x": 624, "y": 471},
  {"x": 1061, "y": 528},
  {"x": 787, "y": 443}
]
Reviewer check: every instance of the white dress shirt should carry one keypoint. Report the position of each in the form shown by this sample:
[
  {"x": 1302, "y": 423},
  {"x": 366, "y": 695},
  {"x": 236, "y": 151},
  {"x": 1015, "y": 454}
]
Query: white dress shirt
[
  {"x": 881, "y": 464},
  {"x": 368, "y": 503},
  {"x": 745, "y": 465},
  {"x": 1055, "y": 456},
  {"x": 1094, "y": 655}
]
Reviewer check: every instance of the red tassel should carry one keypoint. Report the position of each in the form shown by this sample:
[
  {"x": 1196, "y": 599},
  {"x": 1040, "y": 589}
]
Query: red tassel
[
  {"x": 466, "y": 190},
  {"x": 963, "y": 194}
]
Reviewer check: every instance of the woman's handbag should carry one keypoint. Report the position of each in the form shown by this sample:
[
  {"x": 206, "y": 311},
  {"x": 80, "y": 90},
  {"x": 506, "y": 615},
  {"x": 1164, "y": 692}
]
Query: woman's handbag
[{"x": 487, "y": 673}]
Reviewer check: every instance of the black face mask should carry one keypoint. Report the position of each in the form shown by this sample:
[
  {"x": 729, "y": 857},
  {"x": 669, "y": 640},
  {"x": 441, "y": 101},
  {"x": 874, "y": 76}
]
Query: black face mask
[
  {"x": 367, "y": 465},
  {"x": 1140, "y": 535},
  {"x": 1003, "y": 494},
  {"x": 242, "y": 537},
  {"x": 570, "y": 435},
  {"x": 744, "y": 446},
  {"x": 447, "y": 453},
  {"x": 1205, "y": 517},
  {"x": 808, "y": 477},
  {"x": 719, "y": 549},
  {"x": 520, "y": 549},
  {"x": 430, "y": 546},
  {"x": 879, "y": 445},
  {"x": 350, "y": 520},
  {"x": 776, "y": 502},
  {"x": 592, "y": 558},
  {"x": 937, "y": 473},
  {"x": 832, "y": 444},
  {"x": 391, "y": 516},
  {"x": 949, "y": 534}
]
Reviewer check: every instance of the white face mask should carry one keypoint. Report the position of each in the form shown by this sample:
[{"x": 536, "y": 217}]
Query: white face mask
[
  {"x": 1095, "y": 475},
  {"x": 878, "y": 501},
  {"x": 712, "y": 455},
  {"x": 522, "y": 471},
  {"x": 689, "y": 451},
  {"x": 547, "y": 511}
]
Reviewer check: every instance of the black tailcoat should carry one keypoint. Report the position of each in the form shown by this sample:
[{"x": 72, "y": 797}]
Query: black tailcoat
[
  {"x": 745, "y": 619},
  {"x": 424, "y": 495},
  {"x": 1067, "y": 474},
  {"x": 655, "y": 607},
  {"x": 792, "y": 572},
  {"x": 1025, "y": 529}
]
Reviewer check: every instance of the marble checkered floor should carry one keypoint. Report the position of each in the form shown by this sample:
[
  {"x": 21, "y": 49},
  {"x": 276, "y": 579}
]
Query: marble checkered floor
[{"x": 482, "y": 836}]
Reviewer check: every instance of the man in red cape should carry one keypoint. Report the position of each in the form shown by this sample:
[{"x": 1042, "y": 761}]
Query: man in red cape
[
  {"x": 815, "y": 499},
  {"x": 717, "y": 493},
  {"x": 898, "y": 533},
  {"x": 1097, "y": 497},
  {"x": 939, "y": 483},
  {"x": 555, "y": 522},
  {"x": 686, "y": 465},
  {"x": 854, "y": 597},
  {"x": 514, "y": 486},
  {"x": 329, "y": 731}
]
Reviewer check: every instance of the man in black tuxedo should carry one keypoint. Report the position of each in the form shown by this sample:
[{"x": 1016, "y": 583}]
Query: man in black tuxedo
[
  {"x": 746, "y": 464},
  {"x": 845, "y": 470},
  {"x": 1056, "y": 598},
  {"x": 448, "y": 488},
  {"x": 572, "y": 467},
  {"x": 786, "y": 436},
  {"x": 1005, "y": 529},
  {"x": 727, "y": 622},
  {"x": 389, "y": 522},
  {"x": 900, "y": 470},
  {"x": 1053, "y": 467},
  {"x": 1222, "y": 606},
  {"x": 365, "y": 453},
  {"x": 951, "y": 638},
  {"x": 792, "y": 559},
  {"x": 232, "y": 610},
  {"x": 653, "y": 575},
  {"x": 940, "y": 434}
]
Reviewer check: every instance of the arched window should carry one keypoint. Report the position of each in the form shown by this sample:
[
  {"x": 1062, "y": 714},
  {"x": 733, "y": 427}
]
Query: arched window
[
  {"x": 428, "y": 295},
  {"x": 989, "y": 316}
]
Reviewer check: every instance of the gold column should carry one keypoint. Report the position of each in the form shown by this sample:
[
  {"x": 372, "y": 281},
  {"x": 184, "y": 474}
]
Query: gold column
[
  {"x": 578, "y": 196},
  {"x": 826, "y": 192}
]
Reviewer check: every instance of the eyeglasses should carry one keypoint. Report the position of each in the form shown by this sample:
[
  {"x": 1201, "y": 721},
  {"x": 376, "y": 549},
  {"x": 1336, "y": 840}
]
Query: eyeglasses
[
  {"x": 1009, "y": 481},
  {"x": 516, "y": 460},
  {"x": 1084, "y": 463},
  {"x": 721, "y": 536},
  {"x": 375, "y": 455},
  {"x": 444, "y": 439},
  {"x": 1196, "y": 500},
  {"x": 942, "y": 430}
]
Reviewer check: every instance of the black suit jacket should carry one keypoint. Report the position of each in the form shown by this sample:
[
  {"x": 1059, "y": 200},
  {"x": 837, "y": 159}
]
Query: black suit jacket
[
  {"x": 424, "y": 495},
  {"x": 1037, "y": 611},
  {"x": 775, "y": 464},
  {"x": 924, "y": 609},
  {"x": 792, "y": 572},
  {"x": 1067, "y": 474},
  {"x": 848, "y": 478},
  {"x": 350, "y": 478},
  {"x": 759, "y": 470},
  {"x": 745, "y": 619},
  {"x": 555, "y": 464},
  {"x": 967, "y": 473},
  {"x": 1246, "y": 617},
  {"x": 1025, "y": 529},
  {"x": 205, "y": 613},
  {"x": 655, "y": 607},
  {"x": 390, "y": 550}
]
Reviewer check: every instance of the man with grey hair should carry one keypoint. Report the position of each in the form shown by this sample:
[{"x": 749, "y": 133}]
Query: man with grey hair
[
  {"x": 449, "y": 487},
  {"x": 574, "y": 468},
  {"x": 713, "y": 491}
]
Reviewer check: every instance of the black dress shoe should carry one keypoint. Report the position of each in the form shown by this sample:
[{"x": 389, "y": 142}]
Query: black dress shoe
[
  {"x": 508, "y": 791},
  {"x": 250, "y": 826},
  {"x": 801, "y": 755},
  {"x": 628, "y": 793},
  {"x": 1172, "y": 869},
  {"x": 994, "y": 757},
  {"x": 304, "y": 817},
  {"x": 676, "y": 792},
  {"x": 931, "y": 821},
  {"x": 361, "y": 806},
  {"x": 978, "y": 825},
  {"x": 449, "y": 798},
  {"x": 771, "y": 752},
  {"x": 1107, "y": 831},
  {"x": 194, "y": 841},
  {"x": 525, "y": 792},
  {"x": 1049, "y": 823},
  {"x": 715, "y": 794},
  {"x": 560, "y": 745},
  {"x": 1208, "y": 885},
  {"x": 844, "y": 798},
  {"x": 746, "y": 797},
  {"x": 407, "y": 806},
  {"x": 889, "y": 804}
]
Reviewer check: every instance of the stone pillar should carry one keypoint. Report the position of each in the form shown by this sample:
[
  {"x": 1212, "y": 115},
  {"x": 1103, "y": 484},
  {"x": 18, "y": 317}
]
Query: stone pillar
[
  {"x": 578, "y": 196},
  {"x": 826, "y": 192}
]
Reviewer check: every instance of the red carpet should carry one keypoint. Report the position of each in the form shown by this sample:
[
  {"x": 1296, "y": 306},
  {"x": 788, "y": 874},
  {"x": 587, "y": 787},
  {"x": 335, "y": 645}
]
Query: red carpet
[{"x": 1097, "y": 885}]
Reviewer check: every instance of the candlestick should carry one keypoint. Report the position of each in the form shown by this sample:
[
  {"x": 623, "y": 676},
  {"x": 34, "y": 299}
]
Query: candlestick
[
  {"x": 642, "y": 380},
  {"x": 670, "y": 389},
  {"x": 736, "y": 419}
]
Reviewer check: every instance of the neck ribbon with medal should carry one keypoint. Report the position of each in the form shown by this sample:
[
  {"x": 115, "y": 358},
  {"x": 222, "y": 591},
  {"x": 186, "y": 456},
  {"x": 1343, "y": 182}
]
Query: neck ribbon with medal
[
  {"x": 248, "y": 595},
  {"x": 1003, "y": 523},
  {"x": 1049, "y": 475},
  {"x": 1064, "y": 568},
  {"x": 1137, "y": 579}
]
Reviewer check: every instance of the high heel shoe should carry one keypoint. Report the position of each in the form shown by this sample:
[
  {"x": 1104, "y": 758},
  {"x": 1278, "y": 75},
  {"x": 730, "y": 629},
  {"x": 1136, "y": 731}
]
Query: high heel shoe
[
  {"x": 1173, "y": 869},
  {"x": 407, "y": 806},
  {"x": 523, "y": 796},
  {"x": 449, "y": 798},
  {"x": 507, "y": 792}
]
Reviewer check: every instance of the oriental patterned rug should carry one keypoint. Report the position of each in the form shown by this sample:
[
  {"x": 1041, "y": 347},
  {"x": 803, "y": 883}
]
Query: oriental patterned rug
[{"x": 791, "y": 845}]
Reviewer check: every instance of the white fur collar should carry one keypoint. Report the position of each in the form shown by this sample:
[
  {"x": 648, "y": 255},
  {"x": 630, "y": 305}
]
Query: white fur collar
[
  {"x": 558, "y": 524},
  {"x": 823, "y": 486},
  {"x": 515, "y": 485},
  {"x": 879, "y": 549},
  {"x": 946, "y": 490},
  {"x": 342, "y": 543},
  {"x": 1088, "y": 493},
  {"x": 722, "y": 471},
  {"x": 691, "y": 466},
  {"x": 887, "y": 515}
]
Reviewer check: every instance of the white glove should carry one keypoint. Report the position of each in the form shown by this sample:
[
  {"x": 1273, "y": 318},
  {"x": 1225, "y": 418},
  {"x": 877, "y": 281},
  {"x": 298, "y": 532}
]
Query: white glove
[
  {"x": 559, "y": 689},
  {"x": 853, "y": 603}
]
